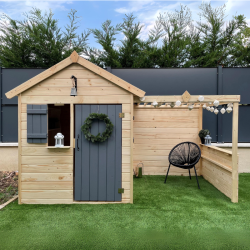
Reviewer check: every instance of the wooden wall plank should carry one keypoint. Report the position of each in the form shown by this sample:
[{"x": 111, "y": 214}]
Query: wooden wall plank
[
  {"x": 31, "y": 151},
  {"x": 47, "y": 194},
  {"x": 48, "y": 168},
  {"x": 33, "y": 177},
  {"x": 33, "y": 160},
  {"x": 119, "y": 99},
  {"x": 52, "y": 185}
]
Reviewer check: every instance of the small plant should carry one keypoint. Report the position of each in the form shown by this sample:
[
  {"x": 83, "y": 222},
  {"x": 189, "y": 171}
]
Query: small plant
[{"x": 202, "y": 134}]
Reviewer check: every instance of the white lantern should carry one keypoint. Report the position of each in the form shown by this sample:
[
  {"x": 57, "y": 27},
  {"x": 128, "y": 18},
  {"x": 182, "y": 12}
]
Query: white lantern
[
  {"x": 59, "y": 140},
  {"x": 208, "y": 108},
  {"x": 204, "y": 106},
  {"x": 230, "y": 105},
  {"x": 142, "y": 99},
  {"x": 208, "y": 140},
  {"x": 223, "y": 111},
  {"x": 216, "y": 103},
  {"x": 216, "y": 111},
  {"x": 201, "y": 98},
  {"x": 229, "y": 110},
  {"x": 178, "y": 103},
  {"x": 212, "y": 109}
]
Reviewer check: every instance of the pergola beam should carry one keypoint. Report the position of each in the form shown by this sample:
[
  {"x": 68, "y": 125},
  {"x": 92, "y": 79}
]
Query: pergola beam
[{"x": 193, "y": 99}]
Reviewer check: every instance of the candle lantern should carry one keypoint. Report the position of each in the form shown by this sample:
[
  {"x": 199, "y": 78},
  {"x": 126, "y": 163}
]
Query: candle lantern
[
  {"x": 59, "y": 140},
  {"x": 208, "y": 140}
]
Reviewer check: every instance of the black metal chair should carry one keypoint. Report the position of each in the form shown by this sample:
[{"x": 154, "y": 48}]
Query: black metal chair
[{"x": 184, "y": 155}]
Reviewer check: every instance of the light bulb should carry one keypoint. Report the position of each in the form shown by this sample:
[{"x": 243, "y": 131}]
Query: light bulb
[
  {"x": 142, "y": 98},
  {"x": 190, "y": 107},
  {"x": 204, "y": 106},
  {"x": 178, "y": 103},
  {"x": 216, "y": 103},
  {"x": 223, "y": 111},
  {"x": 155, "y": 103},
  {"x": 208, "y": 108},
  {"x": 212, "y": 109},
  {"x": 216, "y": 111},
  {"x": 229, "y": 110},
  {"x": 201, "y": 98}
]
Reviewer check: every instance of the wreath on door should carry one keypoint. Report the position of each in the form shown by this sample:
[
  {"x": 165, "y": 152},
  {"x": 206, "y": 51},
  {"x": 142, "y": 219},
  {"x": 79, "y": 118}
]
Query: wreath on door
[{"x": 99, "y": 137}]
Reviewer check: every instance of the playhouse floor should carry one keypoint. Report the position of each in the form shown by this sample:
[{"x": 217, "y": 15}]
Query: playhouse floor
[{"x": 173, "y": 216}]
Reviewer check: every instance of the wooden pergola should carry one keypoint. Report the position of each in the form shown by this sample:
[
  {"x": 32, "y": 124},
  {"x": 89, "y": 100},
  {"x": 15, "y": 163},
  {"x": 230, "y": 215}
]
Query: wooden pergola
[{"x": 211, "y": 154}]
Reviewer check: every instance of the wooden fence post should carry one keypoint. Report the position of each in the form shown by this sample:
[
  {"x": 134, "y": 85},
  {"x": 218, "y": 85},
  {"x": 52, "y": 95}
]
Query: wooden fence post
[{"x": 235, "y": 174}]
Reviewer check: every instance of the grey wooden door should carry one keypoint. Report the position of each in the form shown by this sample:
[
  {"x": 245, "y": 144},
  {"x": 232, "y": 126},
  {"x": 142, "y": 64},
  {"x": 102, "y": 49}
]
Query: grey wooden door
[{"x": 98, "y": 166}]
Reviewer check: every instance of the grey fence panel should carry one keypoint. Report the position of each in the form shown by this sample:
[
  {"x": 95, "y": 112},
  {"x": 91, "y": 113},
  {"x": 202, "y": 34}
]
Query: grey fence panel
[
  {"x": 244, "y": 124},
  {"x": 11, "y": 78},
  {"x": 236, "y": 81},
  {"x": 9, "y": 124},
  {"x": 171, "y": 81}
]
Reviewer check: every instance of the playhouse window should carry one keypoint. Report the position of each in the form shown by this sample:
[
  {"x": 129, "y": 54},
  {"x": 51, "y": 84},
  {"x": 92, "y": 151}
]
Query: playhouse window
[{"x": 58, "y": 122}]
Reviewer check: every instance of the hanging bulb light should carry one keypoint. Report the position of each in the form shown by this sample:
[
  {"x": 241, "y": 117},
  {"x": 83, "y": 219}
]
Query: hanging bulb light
[
  {"x": 223, "y": 111},
  {"x": 190, "y": 107},
  {"x": 229, "y": 110},
  {"x": 178, "y": 103},
  {"x": 212, "y": 109},
  {"x": 216, "y": 103},
  {"x": 216, "y": 111},
  {"x": 201, "y": 98},
  {"x": 208, "y": 108},
  {"x": 155, "y": 103},
  {"x": 204, "y": 106},
  {"x": 172, "y": 104},
  {"x": 142, "y": 99},
  {"x": 230, "y": 105}
]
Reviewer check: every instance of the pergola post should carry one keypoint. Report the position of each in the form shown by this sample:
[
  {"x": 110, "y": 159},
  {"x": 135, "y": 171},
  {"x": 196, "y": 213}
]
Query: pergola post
[{"x": 235, "y": 175}]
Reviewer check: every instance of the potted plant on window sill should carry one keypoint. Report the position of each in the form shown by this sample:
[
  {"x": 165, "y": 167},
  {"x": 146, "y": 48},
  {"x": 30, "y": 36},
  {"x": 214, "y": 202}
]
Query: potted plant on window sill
[{"x": 202, "y": 134}]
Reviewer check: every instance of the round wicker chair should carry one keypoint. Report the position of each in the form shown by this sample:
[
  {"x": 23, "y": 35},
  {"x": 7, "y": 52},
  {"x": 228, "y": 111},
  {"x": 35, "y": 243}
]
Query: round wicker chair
[{"x": 184, "y": 155}]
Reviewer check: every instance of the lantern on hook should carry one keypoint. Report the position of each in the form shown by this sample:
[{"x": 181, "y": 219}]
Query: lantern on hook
[
  {"x": 74, "y": 89},
  {"x": 208, "y": 140}
]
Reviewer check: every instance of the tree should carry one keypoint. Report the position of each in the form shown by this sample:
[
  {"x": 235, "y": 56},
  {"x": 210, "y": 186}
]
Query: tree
[
  {"x": 37, "y": 41},
  {"x": 176, "y": 26},
  {"x": 216, "y": 37}
]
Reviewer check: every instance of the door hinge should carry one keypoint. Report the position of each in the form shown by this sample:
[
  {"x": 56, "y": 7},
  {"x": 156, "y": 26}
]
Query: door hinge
[
  {"x": 120, "y": 190},
  {"x": 121, "y": 115}
]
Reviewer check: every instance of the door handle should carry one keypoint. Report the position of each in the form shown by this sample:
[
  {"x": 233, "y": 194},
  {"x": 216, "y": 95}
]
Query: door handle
[{"x": 77, "y": 143}]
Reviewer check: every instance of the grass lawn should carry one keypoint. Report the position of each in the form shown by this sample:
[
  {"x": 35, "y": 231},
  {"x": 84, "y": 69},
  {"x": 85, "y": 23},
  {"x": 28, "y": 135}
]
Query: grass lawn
[{"x": 173, "y": 216}]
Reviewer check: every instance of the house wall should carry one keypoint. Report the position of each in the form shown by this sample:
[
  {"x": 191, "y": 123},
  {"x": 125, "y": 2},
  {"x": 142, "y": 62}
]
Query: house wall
[
  {"x": 157, "y": 131},
  {"x": 47, "y": 174}
]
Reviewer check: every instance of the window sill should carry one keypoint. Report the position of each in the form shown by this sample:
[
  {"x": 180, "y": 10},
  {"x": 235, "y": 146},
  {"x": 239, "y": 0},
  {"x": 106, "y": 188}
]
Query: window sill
[
  {"x": 65, "y": 147},
  {"x": 9, "y": 144},
  {"x": 229, "y": 145}
]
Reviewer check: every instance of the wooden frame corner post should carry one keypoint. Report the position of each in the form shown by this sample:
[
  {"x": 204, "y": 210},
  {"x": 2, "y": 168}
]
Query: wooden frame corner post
[
  {"x": 131, "y": 147},
  {"x": 19, "y": 149},
  {"x": 235, "y": 175}
]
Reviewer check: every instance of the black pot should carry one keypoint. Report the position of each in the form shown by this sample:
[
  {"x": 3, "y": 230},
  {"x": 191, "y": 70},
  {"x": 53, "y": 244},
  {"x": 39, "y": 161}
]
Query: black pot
[{"x": 202, "y": 140}]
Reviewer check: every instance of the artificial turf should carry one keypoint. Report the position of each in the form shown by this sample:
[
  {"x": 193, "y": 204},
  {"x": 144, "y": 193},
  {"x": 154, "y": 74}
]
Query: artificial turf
[{"x": 176, "y": 215}]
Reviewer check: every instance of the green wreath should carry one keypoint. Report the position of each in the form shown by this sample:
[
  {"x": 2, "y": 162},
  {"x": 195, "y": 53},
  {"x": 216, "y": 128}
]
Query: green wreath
[{"x": 100, "y": 137}]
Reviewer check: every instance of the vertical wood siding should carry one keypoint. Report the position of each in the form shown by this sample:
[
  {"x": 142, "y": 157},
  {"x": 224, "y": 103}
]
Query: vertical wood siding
[{"x": 43, "y": 169}]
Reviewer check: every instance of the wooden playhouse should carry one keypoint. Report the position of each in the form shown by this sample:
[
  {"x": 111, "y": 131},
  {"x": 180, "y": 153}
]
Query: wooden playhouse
[{"x": 86, "y": 172}]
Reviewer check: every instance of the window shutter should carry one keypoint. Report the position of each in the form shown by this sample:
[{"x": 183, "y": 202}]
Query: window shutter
[{"x": 37, "y": 123}]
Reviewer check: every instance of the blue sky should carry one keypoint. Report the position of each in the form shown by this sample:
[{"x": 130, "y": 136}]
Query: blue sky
[{"x": 94, "y": 13}]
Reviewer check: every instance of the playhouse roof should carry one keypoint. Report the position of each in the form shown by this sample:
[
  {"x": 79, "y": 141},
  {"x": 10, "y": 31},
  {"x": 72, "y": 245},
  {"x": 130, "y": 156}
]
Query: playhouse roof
[{"x": 75, "y": 58}]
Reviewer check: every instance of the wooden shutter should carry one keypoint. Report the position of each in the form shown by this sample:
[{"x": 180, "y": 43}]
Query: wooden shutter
[{"x": 37, "y": 123}]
